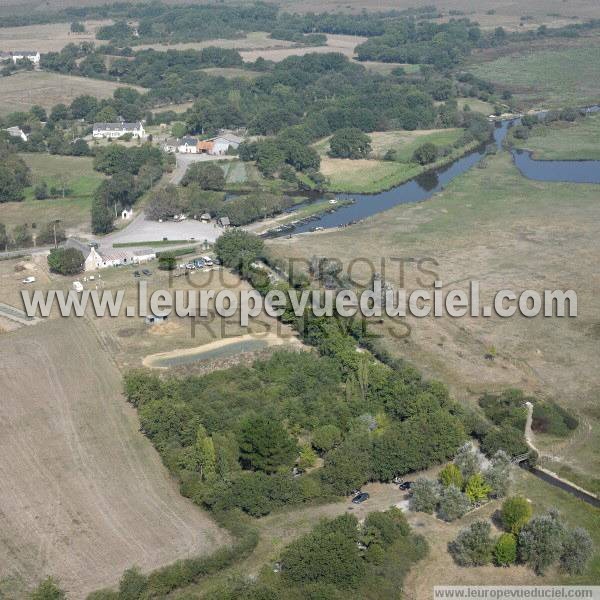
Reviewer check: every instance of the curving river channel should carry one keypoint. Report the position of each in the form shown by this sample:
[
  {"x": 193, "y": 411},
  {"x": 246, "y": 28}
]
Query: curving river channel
[{"x": 426, "y": 185}]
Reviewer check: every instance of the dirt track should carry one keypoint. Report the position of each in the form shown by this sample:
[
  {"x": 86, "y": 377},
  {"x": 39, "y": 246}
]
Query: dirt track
[{"x": 84, "y": 495}]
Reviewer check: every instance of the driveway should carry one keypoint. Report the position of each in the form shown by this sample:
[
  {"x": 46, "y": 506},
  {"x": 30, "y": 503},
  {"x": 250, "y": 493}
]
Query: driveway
[{"x": 143, "y": 230}]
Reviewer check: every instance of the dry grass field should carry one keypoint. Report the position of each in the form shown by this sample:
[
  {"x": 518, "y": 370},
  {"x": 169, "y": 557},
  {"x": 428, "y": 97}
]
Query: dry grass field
[
  {"x": 22, "y": 91},
  {"x": 88, "y": 496},
  {"x": 343, "y": 44},
  {"x": 496, "y": 227},
  {"x": 46, "y": 38}
]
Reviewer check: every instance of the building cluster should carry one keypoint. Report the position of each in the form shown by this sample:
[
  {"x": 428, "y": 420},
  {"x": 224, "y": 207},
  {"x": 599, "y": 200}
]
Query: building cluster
[
  {"x": 31, "y": 55},
  {"x": 216, "y": 146},
  {"x": 101, "y": 258},
  {"x": 118, "y": 129}
]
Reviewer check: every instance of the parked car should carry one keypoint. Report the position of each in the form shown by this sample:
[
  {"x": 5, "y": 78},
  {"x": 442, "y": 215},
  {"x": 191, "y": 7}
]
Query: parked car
[
  {"x": 405, "y": 485},
  {"x": 29, "y": 279},
  {"x": 360, "y": 498},
  {"x": 146, "y": 272},
  {"x": 136, "y": 274},
  {"x": 78, "y": 286}
]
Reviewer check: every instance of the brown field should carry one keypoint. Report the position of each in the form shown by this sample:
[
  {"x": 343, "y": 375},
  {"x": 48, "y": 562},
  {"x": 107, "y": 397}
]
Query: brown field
[
  {"x": 46, "y": 38},
  {"x": 22, "y": 91},
  {"x": 88, "y": 496},
  {"x": 344, "y": 44}
]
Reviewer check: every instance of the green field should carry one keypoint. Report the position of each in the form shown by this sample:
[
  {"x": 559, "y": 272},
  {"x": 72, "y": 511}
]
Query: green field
[
  {"x": 548, "y": 78},
  {"x": 73, "y": 210},
  {"x": 565, "y": 141},
  {"x": 374, "y": 174}
]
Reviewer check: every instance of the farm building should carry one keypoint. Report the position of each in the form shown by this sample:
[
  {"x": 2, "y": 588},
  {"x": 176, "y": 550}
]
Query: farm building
[
  {"x": 96, "y": 258},
  {"x": 16, "y": 132},
  {"x": 222, "y": 143},
  {"x": 188, "y": 145},
  {"x": 224, "y": 222},
  {"x": 31, "y": 55},
  {"x": 116, "y": 130}
]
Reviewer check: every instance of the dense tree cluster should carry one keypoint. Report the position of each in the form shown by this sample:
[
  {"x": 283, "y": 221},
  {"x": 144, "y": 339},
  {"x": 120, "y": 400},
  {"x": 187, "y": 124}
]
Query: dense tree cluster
[{"x": 15, "y": 175}]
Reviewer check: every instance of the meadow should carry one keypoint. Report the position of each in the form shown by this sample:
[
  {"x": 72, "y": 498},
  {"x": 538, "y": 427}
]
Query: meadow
[
  {"x": 548, "y": 78},
  {"x": 73, "y": 210},
  {"x": 565, "y": 141},
  {"x": 374, "y": 174}
]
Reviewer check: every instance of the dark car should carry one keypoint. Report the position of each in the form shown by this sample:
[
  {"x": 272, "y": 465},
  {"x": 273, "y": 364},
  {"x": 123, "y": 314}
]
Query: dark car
[
  {"x": 360, "y": 498},
  {"x": 136, "y": 273},
  {"x": 146, "y": 272},
  {"x": 405, "y": 485}
]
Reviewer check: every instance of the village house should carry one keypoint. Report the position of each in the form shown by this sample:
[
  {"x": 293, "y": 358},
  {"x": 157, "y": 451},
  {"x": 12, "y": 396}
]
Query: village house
[
  {"x": 170, "y": 145},
  {"x": 17, "y": 132},
  {"x": 116, "y": 130},
  {"x": 31, "y": 55},
  {"x": 188, "y": 145}
]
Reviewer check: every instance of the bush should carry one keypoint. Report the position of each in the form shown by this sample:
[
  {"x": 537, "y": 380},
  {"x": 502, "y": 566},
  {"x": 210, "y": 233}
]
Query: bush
[
  {"x": 467, "y": 460},
  {"x": 48, "y": 590},
  {"x": 167, "y": 261},
  {"x": 41, "y": 191},
  {"x": 516, "y": 512},
  {"x": 453, "y": 504},
  {"x": 505, "y": 551},
  {"x": 577, "y": 550},
  {"x": 473, "y": 546},
  {"x": 541, "y": 542},
  {"x": 207, "y": 175},
  {"x": 326, "y": 438},
  {"x": 66, "y": 261},
  {"x": 497, "y": 474},
  {"x": 549, "y": 417},
  {"x": 426, "y": 154},
  {"x": 451, "y": 475},
  {"x": 425, "y": 495},
  {"x": 477, "y": 488}
]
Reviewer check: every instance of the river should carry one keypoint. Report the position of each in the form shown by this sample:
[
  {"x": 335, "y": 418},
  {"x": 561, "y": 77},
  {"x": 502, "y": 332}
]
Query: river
[{"x": 426, "y": 185}]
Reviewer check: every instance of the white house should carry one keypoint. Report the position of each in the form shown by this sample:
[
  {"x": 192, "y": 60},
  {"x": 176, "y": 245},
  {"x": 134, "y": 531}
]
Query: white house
[
  {"x": 31, "y": 55},
  {"x": 222, "y": 143},
  {"x": 116, "y": 130},
  {"x": 188, "y": 145},
  {"x": 126, "y": 213},
  {"x": 17, "y": 132}
]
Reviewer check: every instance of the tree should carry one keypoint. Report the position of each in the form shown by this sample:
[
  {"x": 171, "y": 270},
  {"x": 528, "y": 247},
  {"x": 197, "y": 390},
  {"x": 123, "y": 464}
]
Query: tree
[
  {"x": 349, "y": 142},
  {"x": 577, "y": 550},
  {"x": 307, "y": 457},
  {"x": 453, "y": 504},
  {"x": 21, "y": 236},
  {"x": 473, "y": 546},
  {"x": 167, "y": 261},
  {"x": 425, "y": 495},
  {"x": 541, "y": 542},
  {"x": 66, "y": 261},
  {"x": 467, "y": 460},
  {"x": 451, "y": 475},
  {"x": 498, "y": 474},
  {"x": 48, "y": 590},
  {"x": 51, "y": 233},
  {"x": 505, "y": 550},
  {"x": 425, "y": 154},
  {"x": 11, "y": 190},
  {"x": 41, "y": 191},
  {"x": 178, "y": 129},
  {"x": 516, "y": 512},
  {"x": 326, "y": 437},
  {"x": 328, "y": 555},
  {"x": 3, "y": 237},
  {"x": 238, "y": 249},
  {"x": 163, "y": 202},
  {"x": 206, "y": 174},
  {"x": 207, "y": 459},
  {"x": 265, "y": 445},
  {"x": 102, "y": 215},
  {"x": 77, "y": 27},
  {"x": 477, "y": 488}
]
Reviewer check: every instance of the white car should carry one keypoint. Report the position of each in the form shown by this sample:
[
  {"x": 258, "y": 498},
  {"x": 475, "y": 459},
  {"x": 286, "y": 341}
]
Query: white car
[
  {"x": 77, "y": 286},
  {"x": 29, "y": 279}
]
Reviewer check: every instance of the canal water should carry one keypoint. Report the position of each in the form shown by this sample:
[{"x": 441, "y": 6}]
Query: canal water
[{"x": 426, "y": 185}]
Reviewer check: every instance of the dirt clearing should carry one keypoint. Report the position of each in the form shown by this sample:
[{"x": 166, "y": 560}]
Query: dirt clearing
[{"x": 88, "y": 496}]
